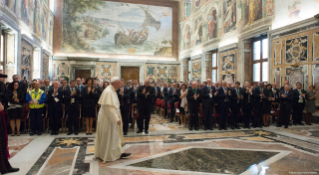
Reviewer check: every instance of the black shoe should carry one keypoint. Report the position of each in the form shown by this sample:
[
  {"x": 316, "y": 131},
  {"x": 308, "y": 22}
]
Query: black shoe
[
  {"x": 53, "y": 133},
  {"x": 139, "y": 131},
  {"x": 190, "y": 129},
  {"x": 210, "y": 128},
  {"x": 248, "y": 127},
  {"x": 294, "y": 124},
  {"x": 301, "y": 124},
  {"x": 172, "y": 121},
  {"x": 56, "y": 132},
  {"x": 205, "y": 129},
  {"x": 12, "y": 170},
  {"x": 224, "y": 128},
  {"x": 76, "y": 133},
  {"x": 196, "y": 129},
  {"x": 125, "y": 155},
  {"x": 146, "y": 132},
  {"x": 69, "y": 133},
  {"x": 237, "y": 127},
  {"x": 39, "y": 133},
  {"x": 278, "y": 126},
  {"x": 31, "y": 133},
  {"x": 125, "y": 133},
  {"x": 232, "y": 128},
  {"x": 260, "y": 126},
  {"x": 286, "y": 126},
  {"x": 220, "y": 128}
]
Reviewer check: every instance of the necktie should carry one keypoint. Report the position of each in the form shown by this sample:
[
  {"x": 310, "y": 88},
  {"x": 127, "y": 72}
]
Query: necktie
[{"x": 285, "y": 92}]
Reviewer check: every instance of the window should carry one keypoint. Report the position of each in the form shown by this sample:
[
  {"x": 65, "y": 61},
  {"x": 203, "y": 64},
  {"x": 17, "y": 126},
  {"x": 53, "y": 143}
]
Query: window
[
  {"x": 187, "y": 8},
  {"x": 52, "y": 5},
  {"x": 214, "y": 67},
  {"x": 260, "y": 60},
  {"x": 36, "y": 64},
  {"x": 2, "y": 53}
]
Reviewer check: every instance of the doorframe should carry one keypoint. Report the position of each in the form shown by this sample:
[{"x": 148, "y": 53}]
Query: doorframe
[
  {"x": 125, "y": 64},
  {"x": 83, "y": 67}
]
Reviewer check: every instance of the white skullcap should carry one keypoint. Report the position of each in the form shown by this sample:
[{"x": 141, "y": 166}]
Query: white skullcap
[{"x": 113, "y": 79}]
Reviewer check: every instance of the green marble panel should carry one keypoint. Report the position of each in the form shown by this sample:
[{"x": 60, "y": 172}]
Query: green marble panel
[{"x": 208, "y": 160}]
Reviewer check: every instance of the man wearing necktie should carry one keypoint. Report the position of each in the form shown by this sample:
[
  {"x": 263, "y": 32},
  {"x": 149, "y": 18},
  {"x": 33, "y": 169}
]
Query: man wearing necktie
[
  {"x": 299, "y": 104},
  {"x": 55, "y": 112},
  {"x": 246, "y": 95},
  {"x": 258, "y": 105},
  {"x": 208, "y": 91},
  {"x": 223, "y": 94},
  {"x": 46, "y": 89},
  {"x": 235, "y": 105},
  {"x": 79, "y": 86},
  {"x": 72, "y": 108},
  {"x": 65, "y": 91},
  {"x": 193, "y": 99},
  {"x": 124, "y": 98},
  {"x": 286, "y": 103},
  {"x": 174, "y": 94},
  {"x": 167, "y": 97}
]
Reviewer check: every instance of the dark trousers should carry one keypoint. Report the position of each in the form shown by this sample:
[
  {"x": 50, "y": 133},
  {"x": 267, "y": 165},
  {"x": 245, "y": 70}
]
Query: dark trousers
[
  {"x": 125, "y": 120},
  {"x": 234, "y": 115},
  {"x": 143, "y": 114},
  {"x": 193, "y": 117},
  {"x": 258, "y": 114},
  {"x": 224, "y": 110},
  {"x": 36, "y": 119},
  {"x": 4, "y": 163},
  {"x": 165, "y": 108},
  {"x": 297, "y": 113},
  {"x": 247, "y": 114},
  {"x": 284, "y": 115},
  {"x": 73, "y": 120},
  {"x": 208, "y": 114},
  {"x": 172, "y": 109}
]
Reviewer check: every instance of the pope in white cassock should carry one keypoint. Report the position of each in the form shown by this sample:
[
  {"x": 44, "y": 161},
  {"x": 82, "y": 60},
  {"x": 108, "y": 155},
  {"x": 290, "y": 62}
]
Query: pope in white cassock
[{"x": 109, "y": 134}]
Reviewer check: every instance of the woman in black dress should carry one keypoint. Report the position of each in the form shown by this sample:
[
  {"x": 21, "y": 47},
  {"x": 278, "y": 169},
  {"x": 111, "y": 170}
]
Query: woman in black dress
[
  {"x": 269, "y": 98},
  {"x": 15, "y": 97},
  {"x": 90, "y": 97}
]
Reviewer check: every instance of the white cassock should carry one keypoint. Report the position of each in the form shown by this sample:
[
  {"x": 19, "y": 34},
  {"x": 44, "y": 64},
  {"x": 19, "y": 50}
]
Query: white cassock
[{"x": 109, "y": 135}]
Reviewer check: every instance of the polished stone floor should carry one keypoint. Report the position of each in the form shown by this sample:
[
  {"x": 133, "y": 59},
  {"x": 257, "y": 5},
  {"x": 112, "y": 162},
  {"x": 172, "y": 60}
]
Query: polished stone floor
[{"x": 171, "y": 149}]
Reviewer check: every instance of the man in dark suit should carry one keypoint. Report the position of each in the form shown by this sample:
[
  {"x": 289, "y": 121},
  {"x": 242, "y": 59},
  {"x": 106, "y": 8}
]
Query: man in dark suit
[
  {"x": 167, "y": 97},
  {"x": 258, "y": 105},
  {"x": 158, "y": 93},
  {"x": 286, "y": 103},
  {"x": 299, "y": 104},
  {"x": 223, "y": 94},
  {"x": 98, "y": 89},
  {"x": 275, "y": 92},
  {"x": 66, "y": 93},
  {"x": 235, "y": 105},
  {"x": 145, "y": 96},
  {"x": 208, "y": 91},
  {"x": 193, "y": 99},
  {"x": 134, "y": 90},
  {"x": 283, "y": 87},
  {"x": 72, "y": 109},
  {"x": 46, "y": 86},
  {"x": 174, "y": 94},
  {"x": 124, "y": 98},
  {"x": 54, "y": 101},
  {"x": 247, "y": 102}
]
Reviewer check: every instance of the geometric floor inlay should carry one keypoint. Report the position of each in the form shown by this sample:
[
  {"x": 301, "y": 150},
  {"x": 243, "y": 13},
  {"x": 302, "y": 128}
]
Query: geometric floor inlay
[{"x": 193, "y": 160}]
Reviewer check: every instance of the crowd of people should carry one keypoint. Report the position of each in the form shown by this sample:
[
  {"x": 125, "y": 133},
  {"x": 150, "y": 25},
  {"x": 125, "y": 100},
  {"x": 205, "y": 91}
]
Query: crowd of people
[{"x": 233, "y": 103}]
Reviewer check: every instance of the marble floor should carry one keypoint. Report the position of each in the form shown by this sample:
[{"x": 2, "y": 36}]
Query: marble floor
[{"x": 170, "y": 149}]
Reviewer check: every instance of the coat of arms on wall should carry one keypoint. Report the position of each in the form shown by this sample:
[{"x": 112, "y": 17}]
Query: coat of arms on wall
[
  {"x": 229, "y": 78},
  {"x": 106, "y": 70},
  {"x": 150, "y": 71},
  {"x": 162, "y": 71},
  {"x": 228, "y": 62},
  {"x": 63, "y": 69},
  {"x": 297, "y": 50},
  {"x": 295, "y": 75}
]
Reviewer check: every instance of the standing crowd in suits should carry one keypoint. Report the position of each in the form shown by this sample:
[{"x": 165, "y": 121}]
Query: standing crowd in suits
[{"x": 227, "y": 104}]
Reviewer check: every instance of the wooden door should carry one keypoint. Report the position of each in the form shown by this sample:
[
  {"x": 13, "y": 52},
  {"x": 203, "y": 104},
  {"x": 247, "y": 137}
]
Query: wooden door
[
  {"x": 82, "y": 73},
  {"x": 130, "y": 73}
]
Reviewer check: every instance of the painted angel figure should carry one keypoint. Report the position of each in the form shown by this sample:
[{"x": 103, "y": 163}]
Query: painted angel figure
[{"x": 228, "y": 21}]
